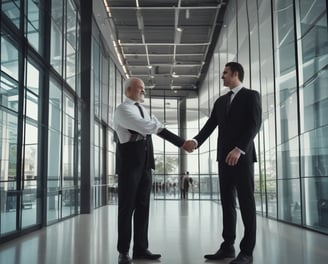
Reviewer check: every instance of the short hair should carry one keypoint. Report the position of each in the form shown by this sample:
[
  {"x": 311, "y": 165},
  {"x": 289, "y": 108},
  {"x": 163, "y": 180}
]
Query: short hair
[
  {"x": 128, "y": 82},
  {"x": 236, "y": 67}
]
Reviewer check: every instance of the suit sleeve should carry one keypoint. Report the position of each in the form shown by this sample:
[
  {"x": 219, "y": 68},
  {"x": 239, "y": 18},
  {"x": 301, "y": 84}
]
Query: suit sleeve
[
  {"x": 208, "y": 128},
  {"x": 253, "y": 124},
  {"x": 169, "y": 136}
]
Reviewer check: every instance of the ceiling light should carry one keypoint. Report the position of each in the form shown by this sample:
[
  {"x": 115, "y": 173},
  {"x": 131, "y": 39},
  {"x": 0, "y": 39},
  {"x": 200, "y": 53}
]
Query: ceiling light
[
  {"x": 177, "y": 38},
  {"x": 149, "y": 66},
  {"x": 187, "y": 13},
  {"x": 140, "y": 21}
]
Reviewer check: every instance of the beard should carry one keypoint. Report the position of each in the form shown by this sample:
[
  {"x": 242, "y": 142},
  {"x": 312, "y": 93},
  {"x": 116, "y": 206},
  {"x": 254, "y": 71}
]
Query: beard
[{"x": 141, "y": 98}]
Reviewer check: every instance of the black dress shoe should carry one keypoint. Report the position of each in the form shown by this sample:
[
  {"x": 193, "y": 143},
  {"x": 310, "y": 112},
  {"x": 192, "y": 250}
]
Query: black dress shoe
[
  {"x": 145, "y": 254},
  {"x": 242, "y": 259},
  {"x": 124, "y": 259},
  {"x": 221, "y": 254}
]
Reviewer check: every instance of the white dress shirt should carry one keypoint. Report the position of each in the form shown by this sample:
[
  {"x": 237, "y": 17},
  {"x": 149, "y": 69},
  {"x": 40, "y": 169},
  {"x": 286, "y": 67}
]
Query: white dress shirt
[
  {"x": 128, "y": 117},
  {"x": 235, "y": 90}
]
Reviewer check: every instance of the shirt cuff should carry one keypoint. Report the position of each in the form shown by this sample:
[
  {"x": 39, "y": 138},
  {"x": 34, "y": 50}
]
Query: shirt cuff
[
  {"x": 241, "y": 151},
  {"x": 195, "y": 141}
]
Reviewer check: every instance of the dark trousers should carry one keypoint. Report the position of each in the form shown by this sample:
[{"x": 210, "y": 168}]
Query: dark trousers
[
  {"x": 238, "y": 180},
  {"x": 134, "y": 187}
]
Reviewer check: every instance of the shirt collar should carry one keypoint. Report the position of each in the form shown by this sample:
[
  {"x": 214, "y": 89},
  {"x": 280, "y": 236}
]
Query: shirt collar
[
  {"x": 236, "y": 89},
  {"x": 129, "y": 101}
]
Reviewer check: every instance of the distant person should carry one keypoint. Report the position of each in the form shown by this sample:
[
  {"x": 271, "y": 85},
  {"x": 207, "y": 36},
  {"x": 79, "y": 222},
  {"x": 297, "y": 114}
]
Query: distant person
[
  {"x": 134, "y": 127},
  {"x": 238, "y": 116},
  {"x": 185, "y": 181}
]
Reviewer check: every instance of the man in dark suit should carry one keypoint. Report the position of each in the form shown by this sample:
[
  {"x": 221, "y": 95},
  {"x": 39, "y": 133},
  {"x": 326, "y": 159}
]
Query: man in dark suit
[
  {"x": 238, "y": 117},
  {"x": 134, "y": 127}
]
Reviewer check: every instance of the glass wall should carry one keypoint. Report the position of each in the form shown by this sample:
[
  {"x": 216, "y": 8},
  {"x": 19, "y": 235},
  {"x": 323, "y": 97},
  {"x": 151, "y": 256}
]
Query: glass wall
[
  {"x": 63, "y": 170},
  {"x": 9, "y": 107},
  {"x": 283, "y": 48},
  {"x": 40, "y": 114},
  {"x": 312, "y": 42},
  {"x": 166, "y": 177}
]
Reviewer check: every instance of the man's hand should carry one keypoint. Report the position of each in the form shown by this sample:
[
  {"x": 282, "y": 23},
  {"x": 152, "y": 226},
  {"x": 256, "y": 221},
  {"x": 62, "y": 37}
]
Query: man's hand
[
  {"x": 233, "y": 157},
  {"x": 189, "y": 146}
]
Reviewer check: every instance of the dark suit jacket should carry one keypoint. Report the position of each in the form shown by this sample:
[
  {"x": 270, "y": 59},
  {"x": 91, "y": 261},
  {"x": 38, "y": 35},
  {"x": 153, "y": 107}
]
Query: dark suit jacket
[{"x": 238, "y": 127}]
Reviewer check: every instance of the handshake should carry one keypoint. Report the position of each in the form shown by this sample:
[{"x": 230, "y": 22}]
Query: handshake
[{"x": 189, "y": 145}]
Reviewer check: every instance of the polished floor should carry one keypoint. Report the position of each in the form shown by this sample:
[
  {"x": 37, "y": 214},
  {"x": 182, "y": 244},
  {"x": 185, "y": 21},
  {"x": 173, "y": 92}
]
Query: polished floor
[{"x": 182, "y": 231}]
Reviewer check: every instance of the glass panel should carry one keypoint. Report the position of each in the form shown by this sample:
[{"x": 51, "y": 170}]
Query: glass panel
[
  {"x": 53, "y": 207},
  {"x": 288, "y": 160},
  {"x": 31, "y": 156},
  {"x": 314, "y": 40},
  {"x": 231, "y": 23},
  {"x": 9, "y": 59},
  {"x": 96, "y": 77},
  {"x": 9, "y": 92},
  {"x": 69, "y": 202},
  {"x": 192, "y": 130},
  {"x": 269, "y": 175},
  {"x": 33, "y": 23},
  {"x": 71, "y": 43},
  {"x": 314, "y": 98},
  {"x": 68, "y": 161},
  {"x": 54, "y": 152},
  {"x": 29, "y": 207},
  {"x": 8, "y": 207},
  {"x": 112, "y": 100},
  {"x": 287, "y": 125},
  {"x": 118, "y": 86},
  {"x": 205, "y": 186},
  {"x": 32, "y": 91},
  {"x": 32, "y": 78},
  {"x": 111, "y": 167},
  {"x": 158, "y": 186},
  {"x": 8, "y": 145},
  {"x": 11, "y": 8},
  {"x": 316, "y": 202},
  {"x": 204, "y": 163},
  {"x": 104, "y": 87},
  {"x": 243, "y": 39},
  {"x": 68, "y": 142},
  {"x": 264, "y": 74},
  {"x": 56, "y": 44},
  {"x": 314, "y": 153},
  {"x": 172, "y": 187},
  {"x": 8, "y": 159},
  {"x": 289, "y": 201},
  {"x": 29, "y": 199},
  {"x": 32, "y": 103},
  {"x": 271, "y": 198}
]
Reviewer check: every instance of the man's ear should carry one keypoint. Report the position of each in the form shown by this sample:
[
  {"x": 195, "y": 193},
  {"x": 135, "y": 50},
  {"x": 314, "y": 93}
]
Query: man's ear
[{"x": 127, "y": 90}]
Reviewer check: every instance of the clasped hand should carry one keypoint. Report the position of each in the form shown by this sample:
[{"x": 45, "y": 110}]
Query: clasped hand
[
  {"x": 231, "y": 159},
  {"x": 189, "y": 145}
]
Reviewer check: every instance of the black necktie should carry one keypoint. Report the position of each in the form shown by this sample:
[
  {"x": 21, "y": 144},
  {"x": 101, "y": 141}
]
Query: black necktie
[
  {"x": 229, "y": 99},
  {"x": 140, "y": 109}
]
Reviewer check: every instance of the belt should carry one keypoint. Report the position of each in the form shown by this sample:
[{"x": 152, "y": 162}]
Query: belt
[{"x": 136, "y": 137}]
